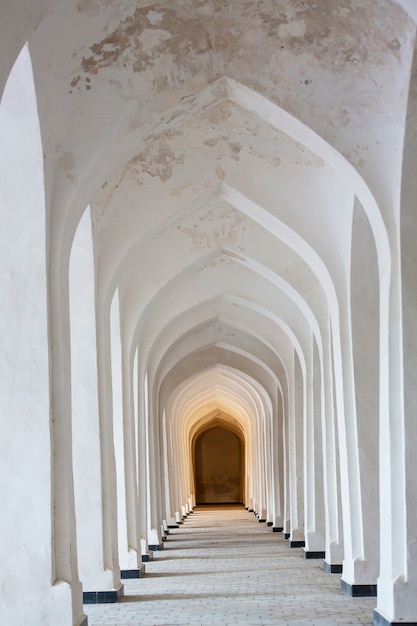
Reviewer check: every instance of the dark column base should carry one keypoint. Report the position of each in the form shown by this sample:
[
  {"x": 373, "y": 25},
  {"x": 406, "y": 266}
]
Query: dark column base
[
  {"x": 296, "y": 544},
  {"x": 146, "y": 558},
  {"x": 155, "y": 547},
  {"x": 262, "y": 521},
  {"x": 132, "y": 573},
  {"x": 358, "y": 591},
  {"x": 277, "y": 529},
  {"x": 286, "y": 535},
  {"x": 311, "y": 554},
  {"x": 332, "y": 568},
  {"x": 103, "y": 597},
  {"x": 173, "y": 525},
  {"x": 269, "y": 523},
  {"x": 379, "y": 620},
  {"x": 250, "y": 510}
]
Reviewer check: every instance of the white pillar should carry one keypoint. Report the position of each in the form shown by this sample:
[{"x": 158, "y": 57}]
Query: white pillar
[
  {"x": 108, "y": 467},
  {"x": 397, "y": 582},
  {"x": 153, "y": 485},
  {"x": 87, "y": 452},
  {"x": 124, "y": 438},
  {"x": 278, "y": 464},
  {"x": 261, "y": 464},
  {"x": 296, "y": 423},
  {"x": 348, "y": 448},
  {"x": 288, "y": 409},
  {"x": 331, "y": 473},
  {"x": 32, "y": 591},
  {"x": 313, "y": 461},
  {"x": 142, "y": 469},
  {"x": 364, "y": 281}
]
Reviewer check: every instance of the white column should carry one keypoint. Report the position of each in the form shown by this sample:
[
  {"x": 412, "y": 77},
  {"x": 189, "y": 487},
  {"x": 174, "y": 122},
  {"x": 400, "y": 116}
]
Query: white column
[
  {"x": 364, "y": 291},
  {"x": 143, "y": 463},
  {"x": 130, "y": 404},
  {"x": 397, "y": 582},
  {"x": 108, "y": 463},
  {"x": 313, "y": 461},
  {"x": 348, "y": 447},
  {"x": 278, "y": 463},
  {"x": 331, "y": 473},
  {"x": 288, "y": 409},
  {"x": 85, "y": 414},
  {"x": 153, "y": 463},
  {"x": 166, "y": 476},
  {"x": 296, "y": 454},
  {"x": 118, "y": 428},
  {"x": 262, "y": 467},
  {"x": 32, "y": 592},
  {"x": 123, "y": 449}
]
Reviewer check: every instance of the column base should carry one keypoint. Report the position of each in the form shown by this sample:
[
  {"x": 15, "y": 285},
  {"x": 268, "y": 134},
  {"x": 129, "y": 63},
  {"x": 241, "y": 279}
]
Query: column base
[
  {"x": 262, "y": 521},
  {"x": 269, "y": 523},
  {"x": 173, "y": 526},
  {"x": 155, "y": 547},
  {"x": 358, "y": 591},
  {"x": 103, "y": 597},
  {"x": 286, "y": 535},
  {"x": 314, "y": 554},
  {"x": 132, "y": 573},
  {"x": 277, "y": 529},
  {"x": 380, "y": 620},
  {"x": 332, "y": 568},
  {"x": 296, "y": 544},
  {"x": 250, "y": 510},
  {"x": 146, "y": 558}
]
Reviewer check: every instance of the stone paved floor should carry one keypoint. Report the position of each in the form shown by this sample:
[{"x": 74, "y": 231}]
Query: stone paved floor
[{"x": 223, "y": 567}]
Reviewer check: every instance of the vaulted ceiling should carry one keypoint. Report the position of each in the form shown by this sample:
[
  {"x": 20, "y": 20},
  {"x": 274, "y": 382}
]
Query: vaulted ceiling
[{"x": 225, "y": 149}]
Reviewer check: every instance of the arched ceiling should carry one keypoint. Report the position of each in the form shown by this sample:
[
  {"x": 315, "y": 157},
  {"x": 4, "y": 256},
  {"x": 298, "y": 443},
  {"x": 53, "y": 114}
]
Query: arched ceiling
[{"x": 221, "y": 147}]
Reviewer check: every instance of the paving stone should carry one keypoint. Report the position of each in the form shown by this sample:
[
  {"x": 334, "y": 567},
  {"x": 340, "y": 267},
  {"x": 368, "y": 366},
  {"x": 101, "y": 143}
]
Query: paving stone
[{"x": 222, "y": 567}]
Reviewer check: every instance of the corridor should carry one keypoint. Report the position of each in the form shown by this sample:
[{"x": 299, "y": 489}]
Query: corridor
[
  {"x": 208, "y": 270},
  {"x": 223, "y": 567}
]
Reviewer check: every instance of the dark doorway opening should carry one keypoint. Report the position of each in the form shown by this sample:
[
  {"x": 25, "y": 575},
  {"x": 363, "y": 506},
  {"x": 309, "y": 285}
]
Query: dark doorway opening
[{"x": 218, "y": 465}]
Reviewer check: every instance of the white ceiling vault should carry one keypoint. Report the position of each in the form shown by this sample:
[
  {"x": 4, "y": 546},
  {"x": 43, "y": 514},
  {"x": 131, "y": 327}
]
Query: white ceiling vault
[{"x": 222, "y": 147}]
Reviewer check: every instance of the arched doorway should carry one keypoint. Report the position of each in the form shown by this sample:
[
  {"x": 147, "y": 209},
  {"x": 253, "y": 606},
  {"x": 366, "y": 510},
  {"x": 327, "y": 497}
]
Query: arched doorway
[{"x": 218, "y": 466}]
